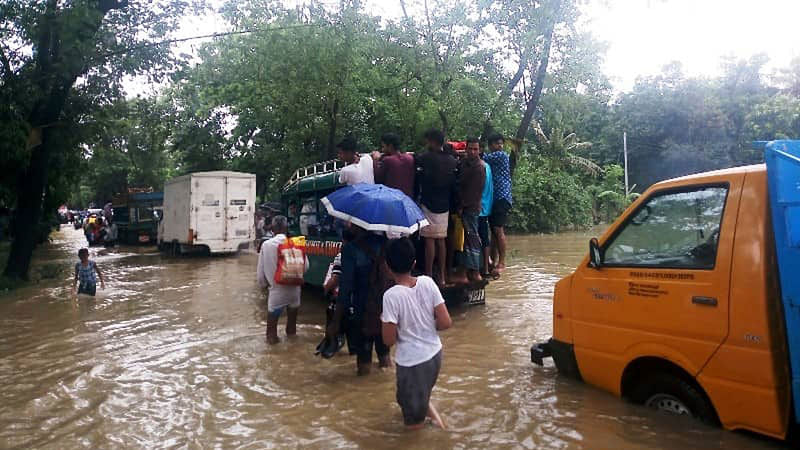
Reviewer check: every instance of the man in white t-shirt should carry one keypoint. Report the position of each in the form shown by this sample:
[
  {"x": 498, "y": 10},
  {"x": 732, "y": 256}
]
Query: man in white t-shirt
[
  {"x": 413, "y": 311},
  {"x": 359, "y": 167}
]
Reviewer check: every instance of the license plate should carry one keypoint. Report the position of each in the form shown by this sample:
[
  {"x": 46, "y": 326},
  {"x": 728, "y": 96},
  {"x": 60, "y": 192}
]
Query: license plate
[
  {"x": 144, "y": 238},
  {"x": 476, "y": 297}
]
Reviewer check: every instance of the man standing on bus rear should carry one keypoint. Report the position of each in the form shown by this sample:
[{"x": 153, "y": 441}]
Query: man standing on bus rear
[
  {"x": 500, "y": 163},
  {"x": 359, "y": 168},
  {"x": 281, "y": 296},
  {"x": 394, "y": 168},
  {"x": 436, "y": 182},
  {"x": 471, "y": 178}
]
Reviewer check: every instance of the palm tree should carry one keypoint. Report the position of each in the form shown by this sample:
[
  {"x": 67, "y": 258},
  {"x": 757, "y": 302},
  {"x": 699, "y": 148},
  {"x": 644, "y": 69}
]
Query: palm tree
[{"x": 562, "y": 146}]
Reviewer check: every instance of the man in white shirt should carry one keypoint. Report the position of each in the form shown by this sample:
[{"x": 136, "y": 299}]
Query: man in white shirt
[
  {"x": 359, "y": 167},
  {"x": 413, "y": 311},
  {"x": 280, "y": 296}
]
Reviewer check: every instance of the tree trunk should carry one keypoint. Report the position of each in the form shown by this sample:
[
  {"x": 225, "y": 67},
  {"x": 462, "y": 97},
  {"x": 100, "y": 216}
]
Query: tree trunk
[
  {"x": 31, "y": 184},
  {"x": 541, "y": 73},
  {"x": 332, "y": 123},
  {"x": 509, "y": 88},
  {"x": 445, "y": 122}
]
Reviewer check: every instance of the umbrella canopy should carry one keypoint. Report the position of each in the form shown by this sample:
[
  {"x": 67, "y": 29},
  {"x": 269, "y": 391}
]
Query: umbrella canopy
[{"x": 375, "y": 207}]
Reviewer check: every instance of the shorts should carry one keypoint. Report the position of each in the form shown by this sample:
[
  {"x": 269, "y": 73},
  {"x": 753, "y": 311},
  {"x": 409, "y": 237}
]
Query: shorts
[
  {"x": 278, "y": 299},
  {"x": 414, "y": 386},
  {"x": 500, "y": 210},
  {"x": 87, "y": 288},
  {"x": 437, "y": 224},
  {"x": 483, "y": 231}
]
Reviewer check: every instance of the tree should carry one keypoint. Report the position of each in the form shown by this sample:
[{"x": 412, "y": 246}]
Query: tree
[{"x": 59, "y": 58}]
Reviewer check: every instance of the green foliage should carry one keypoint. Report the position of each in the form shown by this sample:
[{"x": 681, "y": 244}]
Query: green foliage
[{"x": 547, "y": 198}]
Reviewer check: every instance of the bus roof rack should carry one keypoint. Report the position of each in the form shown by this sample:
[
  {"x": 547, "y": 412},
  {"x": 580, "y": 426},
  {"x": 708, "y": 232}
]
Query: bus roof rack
[{"x": 312, "y": 170}]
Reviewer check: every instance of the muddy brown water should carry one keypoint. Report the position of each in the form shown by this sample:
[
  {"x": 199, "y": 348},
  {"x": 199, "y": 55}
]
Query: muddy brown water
[{"x": 172, "y": 355}]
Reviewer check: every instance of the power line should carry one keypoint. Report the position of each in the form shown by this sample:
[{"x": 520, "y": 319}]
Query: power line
[{"x": 203, "y": 36}]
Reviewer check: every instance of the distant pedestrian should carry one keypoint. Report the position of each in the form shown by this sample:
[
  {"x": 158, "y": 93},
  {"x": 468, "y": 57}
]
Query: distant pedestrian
[
  {"x": 501, "y": 178},
  {"x": 393, "y": 167},
  {"x": 413, "y": 311},
  {"x": 280, "y": 270},
  {"x": 86, "y": 275},
  {"x": 436, "y": 182},
  {"x": 359, "y": 168}
]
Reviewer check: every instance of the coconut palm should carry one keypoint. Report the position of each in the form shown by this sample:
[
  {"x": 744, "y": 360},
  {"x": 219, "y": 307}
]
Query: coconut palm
[{"x": 562, "y": 146}]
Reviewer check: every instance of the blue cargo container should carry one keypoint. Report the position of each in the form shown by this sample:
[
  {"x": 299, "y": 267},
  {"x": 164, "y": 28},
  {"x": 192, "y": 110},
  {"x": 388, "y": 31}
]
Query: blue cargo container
[{"x": 783, "y": 175}]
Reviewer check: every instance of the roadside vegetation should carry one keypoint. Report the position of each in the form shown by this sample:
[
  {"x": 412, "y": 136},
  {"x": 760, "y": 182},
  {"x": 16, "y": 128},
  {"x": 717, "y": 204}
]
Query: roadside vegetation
[{"x": 290, "y": 82}]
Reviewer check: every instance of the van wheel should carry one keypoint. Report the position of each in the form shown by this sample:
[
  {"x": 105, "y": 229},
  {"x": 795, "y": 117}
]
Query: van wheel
[{"x": 674, "y": 395}]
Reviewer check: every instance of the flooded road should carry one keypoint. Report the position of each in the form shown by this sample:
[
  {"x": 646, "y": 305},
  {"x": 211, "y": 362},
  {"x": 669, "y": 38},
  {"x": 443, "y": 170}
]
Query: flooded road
[{"x": 172, "y": 355}]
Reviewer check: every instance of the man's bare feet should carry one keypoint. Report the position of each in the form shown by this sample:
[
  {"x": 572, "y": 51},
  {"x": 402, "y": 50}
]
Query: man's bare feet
[{"x": 435, "y": 417}]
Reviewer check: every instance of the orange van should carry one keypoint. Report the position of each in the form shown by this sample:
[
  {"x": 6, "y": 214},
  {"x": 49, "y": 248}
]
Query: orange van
[{"x": 677, "y": 306}]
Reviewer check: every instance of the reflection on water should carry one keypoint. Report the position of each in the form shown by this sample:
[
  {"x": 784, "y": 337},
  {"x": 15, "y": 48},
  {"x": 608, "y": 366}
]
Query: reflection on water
[{"x": 172, "y": 354}]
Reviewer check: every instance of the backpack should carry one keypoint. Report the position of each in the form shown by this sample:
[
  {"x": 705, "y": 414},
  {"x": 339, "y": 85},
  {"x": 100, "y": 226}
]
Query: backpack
[
  {"x": 379, "y": 282},
  {"x": 291, "y": 263}
]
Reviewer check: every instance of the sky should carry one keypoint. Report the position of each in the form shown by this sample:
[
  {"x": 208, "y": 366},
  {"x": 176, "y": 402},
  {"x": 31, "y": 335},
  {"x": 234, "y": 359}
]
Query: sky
[{"x": 645, "y": 35}]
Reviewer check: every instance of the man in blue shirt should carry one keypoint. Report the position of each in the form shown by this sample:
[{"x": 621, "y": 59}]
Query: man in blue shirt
[{"x": 500, "y": 164}]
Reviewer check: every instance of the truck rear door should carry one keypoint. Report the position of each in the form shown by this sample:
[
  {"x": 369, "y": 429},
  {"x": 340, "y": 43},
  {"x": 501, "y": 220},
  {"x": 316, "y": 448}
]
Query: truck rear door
[
  {"x": 239, "y": 208},
  {"x": 663, "y": 288},
  {"x": 209, "y": 208}
]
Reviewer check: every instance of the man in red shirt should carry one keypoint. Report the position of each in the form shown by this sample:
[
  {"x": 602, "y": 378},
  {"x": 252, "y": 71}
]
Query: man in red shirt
[{"x": 394, "y": 168}]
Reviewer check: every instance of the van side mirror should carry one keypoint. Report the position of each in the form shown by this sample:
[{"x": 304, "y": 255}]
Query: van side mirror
[{"x": 595, "y": 254}]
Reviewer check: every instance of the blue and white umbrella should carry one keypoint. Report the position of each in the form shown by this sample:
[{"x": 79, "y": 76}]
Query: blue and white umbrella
[{"x": 376, "y": 207}]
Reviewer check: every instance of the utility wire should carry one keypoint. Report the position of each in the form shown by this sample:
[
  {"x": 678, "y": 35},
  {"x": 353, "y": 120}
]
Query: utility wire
[{"x": 203, "y": 36}]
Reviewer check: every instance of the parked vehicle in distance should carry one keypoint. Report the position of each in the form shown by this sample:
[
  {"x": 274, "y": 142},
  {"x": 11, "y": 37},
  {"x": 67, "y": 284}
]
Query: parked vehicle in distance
[
  {"x": 208, "y": 211},
  {"x": 136, "y": 217},
  {"x": 679, "y": 304}
]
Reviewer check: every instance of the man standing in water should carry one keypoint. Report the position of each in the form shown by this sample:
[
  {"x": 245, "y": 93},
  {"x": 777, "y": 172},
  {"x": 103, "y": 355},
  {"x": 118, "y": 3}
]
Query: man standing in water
[
  {"x": 281, "y": 296},
  {"x": 436, "y": 181},
  {"x": 499, "y": 161}
]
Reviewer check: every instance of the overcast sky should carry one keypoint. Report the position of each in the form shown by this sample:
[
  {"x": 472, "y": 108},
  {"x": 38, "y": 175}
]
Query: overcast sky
[{"x": 644, "y": 35}]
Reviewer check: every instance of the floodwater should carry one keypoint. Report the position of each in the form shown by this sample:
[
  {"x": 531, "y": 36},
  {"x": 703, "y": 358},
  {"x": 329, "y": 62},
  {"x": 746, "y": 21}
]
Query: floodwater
[{"x": 172, "y": 355}]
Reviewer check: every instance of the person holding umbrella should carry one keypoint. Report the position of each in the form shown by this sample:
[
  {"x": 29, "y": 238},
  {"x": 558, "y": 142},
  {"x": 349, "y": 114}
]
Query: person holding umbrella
[{"x": 367, "y": 209}]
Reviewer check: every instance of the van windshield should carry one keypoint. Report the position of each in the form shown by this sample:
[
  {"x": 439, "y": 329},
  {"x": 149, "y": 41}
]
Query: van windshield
[{"x": 671, "y": 230}]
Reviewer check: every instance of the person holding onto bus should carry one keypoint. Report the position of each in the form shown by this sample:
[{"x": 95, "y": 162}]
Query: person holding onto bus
[
  {"x": 359, "y": 168},
  {"x": 280, "y": 296},
  {"x": 501, "y": 206},
  {"x": 436, "y": 181},
  {"x": 413, "y": 312},
  {"x": 471, "y": 178},
  {"x": 393, "y": 167},
  {"x": 483, "y": 218}
]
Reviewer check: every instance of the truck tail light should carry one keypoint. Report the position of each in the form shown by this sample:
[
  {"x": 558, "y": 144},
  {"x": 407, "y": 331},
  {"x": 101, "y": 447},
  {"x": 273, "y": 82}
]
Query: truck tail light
[{"x": 191, "y": 236}]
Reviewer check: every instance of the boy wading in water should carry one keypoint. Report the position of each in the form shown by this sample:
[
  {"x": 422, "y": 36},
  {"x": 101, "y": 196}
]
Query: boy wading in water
[
  {"x": 413, "y": 311},
  {"x": 85, "y": 271}
]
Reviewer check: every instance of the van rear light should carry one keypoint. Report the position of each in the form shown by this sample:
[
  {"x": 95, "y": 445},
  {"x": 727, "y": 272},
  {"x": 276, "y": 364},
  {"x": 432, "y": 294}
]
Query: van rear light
[{"x": 191, "y": 236}]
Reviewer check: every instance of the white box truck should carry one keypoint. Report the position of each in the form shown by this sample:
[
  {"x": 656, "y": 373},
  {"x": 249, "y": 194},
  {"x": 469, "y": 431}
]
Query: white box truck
[{"x": 210, "y": 211}]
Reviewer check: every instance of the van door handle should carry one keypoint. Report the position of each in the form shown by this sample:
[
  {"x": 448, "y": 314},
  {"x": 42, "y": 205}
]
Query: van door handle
[{"x": 707, "y": 301}]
